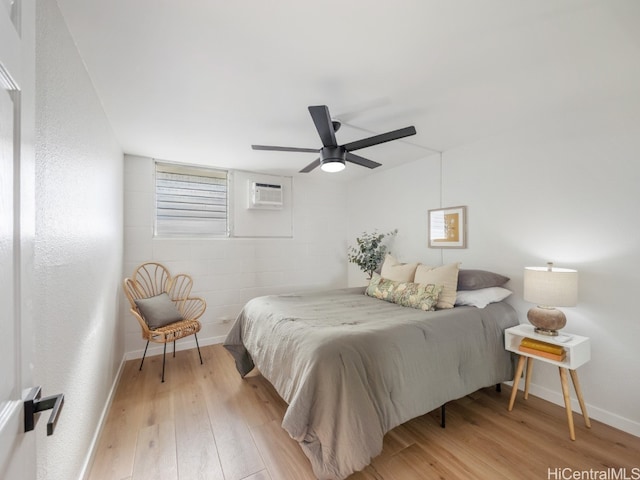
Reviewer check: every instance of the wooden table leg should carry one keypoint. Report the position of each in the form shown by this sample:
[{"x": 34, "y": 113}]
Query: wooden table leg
[
  {"x": 567, "y": 401},
  {"x": 516, "y": 381},
  {"x": 576, "y": 386},
  {"x": 527, "y": 377}
]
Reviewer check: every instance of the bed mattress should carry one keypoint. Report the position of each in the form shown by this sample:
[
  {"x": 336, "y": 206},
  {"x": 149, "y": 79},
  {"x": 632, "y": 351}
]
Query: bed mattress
[{"x": 352, "y": 367}]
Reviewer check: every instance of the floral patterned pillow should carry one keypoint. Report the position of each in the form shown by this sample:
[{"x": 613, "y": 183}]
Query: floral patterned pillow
[
  {"x": 407, "y": 294},
  {"x": 381, "y": 288},
  {"x": 417, "y": 295}
]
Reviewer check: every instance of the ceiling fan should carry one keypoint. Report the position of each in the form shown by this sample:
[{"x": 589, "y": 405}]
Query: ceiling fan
[{"x": 333, "y": 156}]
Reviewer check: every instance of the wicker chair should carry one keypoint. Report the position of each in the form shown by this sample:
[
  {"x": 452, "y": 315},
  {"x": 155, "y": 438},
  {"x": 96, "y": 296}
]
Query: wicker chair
[{"x": 153, "y": 279}]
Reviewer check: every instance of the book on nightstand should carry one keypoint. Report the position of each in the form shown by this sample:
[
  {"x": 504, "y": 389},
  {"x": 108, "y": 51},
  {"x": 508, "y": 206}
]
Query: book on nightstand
[{"x": 543, "y": 349}]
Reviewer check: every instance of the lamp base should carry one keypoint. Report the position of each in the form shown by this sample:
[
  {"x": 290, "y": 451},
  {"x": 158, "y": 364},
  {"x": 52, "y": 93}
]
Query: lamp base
[
  {"x": 547, "y": 320},
  {"x": 544, "y": 331}
]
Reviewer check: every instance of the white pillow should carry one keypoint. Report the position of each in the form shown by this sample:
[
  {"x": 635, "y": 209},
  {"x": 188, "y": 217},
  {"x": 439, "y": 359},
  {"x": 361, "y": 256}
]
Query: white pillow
[
  {"x": 445, "y": 275},
  {"x": 396, "y": 271},
  {"x": 482, "y": 297}
]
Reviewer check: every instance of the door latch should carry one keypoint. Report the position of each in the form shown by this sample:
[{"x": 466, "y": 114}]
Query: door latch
[{"x": 33, "y": 405}]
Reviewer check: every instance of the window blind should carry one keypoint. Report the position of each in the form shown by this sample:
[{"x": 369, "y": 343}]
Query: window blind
[{"x": 191, "y": 200}]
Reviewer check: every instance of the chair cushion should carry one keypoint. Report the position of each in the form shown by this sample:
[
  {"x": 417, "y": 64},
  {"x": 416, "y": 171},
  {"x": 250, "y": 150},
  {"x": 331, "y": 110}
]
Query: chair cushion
[{"x": 158, "y": 311}]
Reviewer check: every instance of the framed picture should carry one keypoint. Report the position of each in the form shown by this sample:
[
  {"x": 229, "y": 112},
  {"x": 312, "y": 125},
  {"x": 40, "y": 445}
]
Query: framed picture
[{"x": 448, "y": 227}]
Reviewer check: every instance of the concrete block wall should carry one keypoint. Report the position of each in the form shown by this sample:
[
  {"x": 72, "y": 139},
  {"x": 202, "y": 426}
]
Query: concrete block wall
[{"x": 228, "y": 272}]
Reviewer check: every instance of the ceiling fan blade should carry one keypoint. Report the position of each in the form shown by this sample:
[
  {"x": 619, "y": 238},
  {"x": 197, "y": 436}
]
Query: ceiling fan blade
[
  {"x": 284, "y": 149},
  {"x": 322, "y": 120},
  {"x": 311, "y": 166},
  {"x": 358, "y": 160},
  {"x": 382, "y": 138}
]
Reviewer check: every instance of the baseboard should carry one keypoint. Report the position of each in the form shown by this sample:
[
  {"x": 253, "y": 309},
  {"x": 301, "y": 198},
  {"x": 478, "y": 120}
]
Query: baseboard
[
  {"x": 182, "y": 344},
  {"x": 613, "y": 420},
  {"x": 86, "y": 467}
]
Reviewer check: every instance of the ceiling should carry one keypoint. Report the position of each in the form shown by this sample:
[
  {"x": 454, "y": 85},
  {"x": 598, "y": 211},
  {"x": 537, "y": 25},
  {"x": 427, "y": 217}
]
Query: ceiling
[{"x": 200, "y": 81}]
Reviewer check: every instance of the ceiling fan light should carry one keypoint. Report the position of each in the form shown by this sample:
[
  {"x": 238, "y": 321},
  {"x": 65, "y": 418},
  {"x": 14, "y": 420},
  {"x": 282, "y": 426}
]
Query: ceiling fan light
[
  {"x": 333, "y": 156},
  {"x": 332, "y": 166}
]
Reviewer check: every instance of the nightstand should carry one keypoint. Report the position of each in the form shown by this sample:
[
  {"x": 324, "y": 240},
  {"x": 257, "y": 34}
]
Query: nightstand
[{"x": 578, "y": 352}]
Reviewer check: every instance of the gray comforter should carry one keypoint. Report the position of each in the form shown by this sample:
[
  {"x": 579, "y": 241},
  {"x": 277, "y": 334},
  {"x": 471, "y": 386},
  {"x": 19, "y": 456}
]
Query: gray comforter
[{"x": 352, "y": 367}]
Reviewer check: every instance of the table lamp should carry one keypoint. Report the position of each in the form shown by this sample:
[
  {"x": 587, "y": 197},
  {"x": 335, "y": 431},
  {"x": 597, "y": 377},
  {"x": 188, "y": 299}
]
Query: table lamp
[{"x": 549, "y": 287}]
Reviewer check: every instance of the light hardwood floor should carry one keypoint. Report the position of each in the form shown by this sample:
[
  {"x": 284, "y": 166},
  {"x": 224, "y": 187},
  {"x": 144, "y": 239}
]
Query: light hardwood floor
[{"x": 205, "y": 422}]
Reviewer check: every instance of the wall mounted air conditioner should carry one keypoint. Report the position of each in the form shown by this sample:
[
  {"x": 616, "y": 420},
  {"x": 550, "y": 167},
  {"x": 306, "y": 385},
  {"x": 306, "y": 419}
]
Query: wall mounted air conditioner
[{"x": 265, "y": 196}]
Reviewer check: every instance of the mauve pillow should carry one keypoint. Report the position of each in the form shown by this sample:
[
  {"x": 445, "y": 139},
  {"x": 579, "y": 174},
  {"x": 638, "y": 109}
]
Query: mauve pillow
[{"x": 475, "y": 279}]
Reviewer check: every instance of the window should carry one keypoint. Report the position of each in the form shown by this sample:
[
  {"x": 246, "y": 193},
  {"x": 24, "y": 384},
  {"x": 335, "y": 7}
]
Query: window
[{"x": 191, "y": 200}]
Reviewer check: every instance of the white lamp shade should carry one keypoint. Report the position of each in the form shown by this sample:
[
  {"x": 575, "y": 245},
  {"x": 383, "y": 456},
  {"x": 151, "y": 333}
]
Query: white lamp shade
[
  {"x": 555, "y": 287},
  {"x": 332, "y": 166}
]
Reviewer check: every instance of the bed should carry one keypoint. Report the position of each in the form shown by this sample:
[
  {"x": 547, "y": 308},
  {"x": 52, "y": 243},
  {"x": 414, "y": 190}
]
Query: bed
[{"x": 352, "y": 367}]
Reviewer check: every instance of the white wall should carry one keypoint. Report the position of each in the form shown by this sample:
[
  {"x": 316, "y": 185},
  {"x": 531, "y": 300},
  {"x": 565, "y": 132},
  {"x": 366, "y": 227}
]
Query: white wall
[
  {"x": 258, "y": 222},
  {"x": 396, "y": 198},
  {"x": 228, "y": 272},
  {"x": 78, "y": 249},
  {"x": 565, "y": 192}
]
